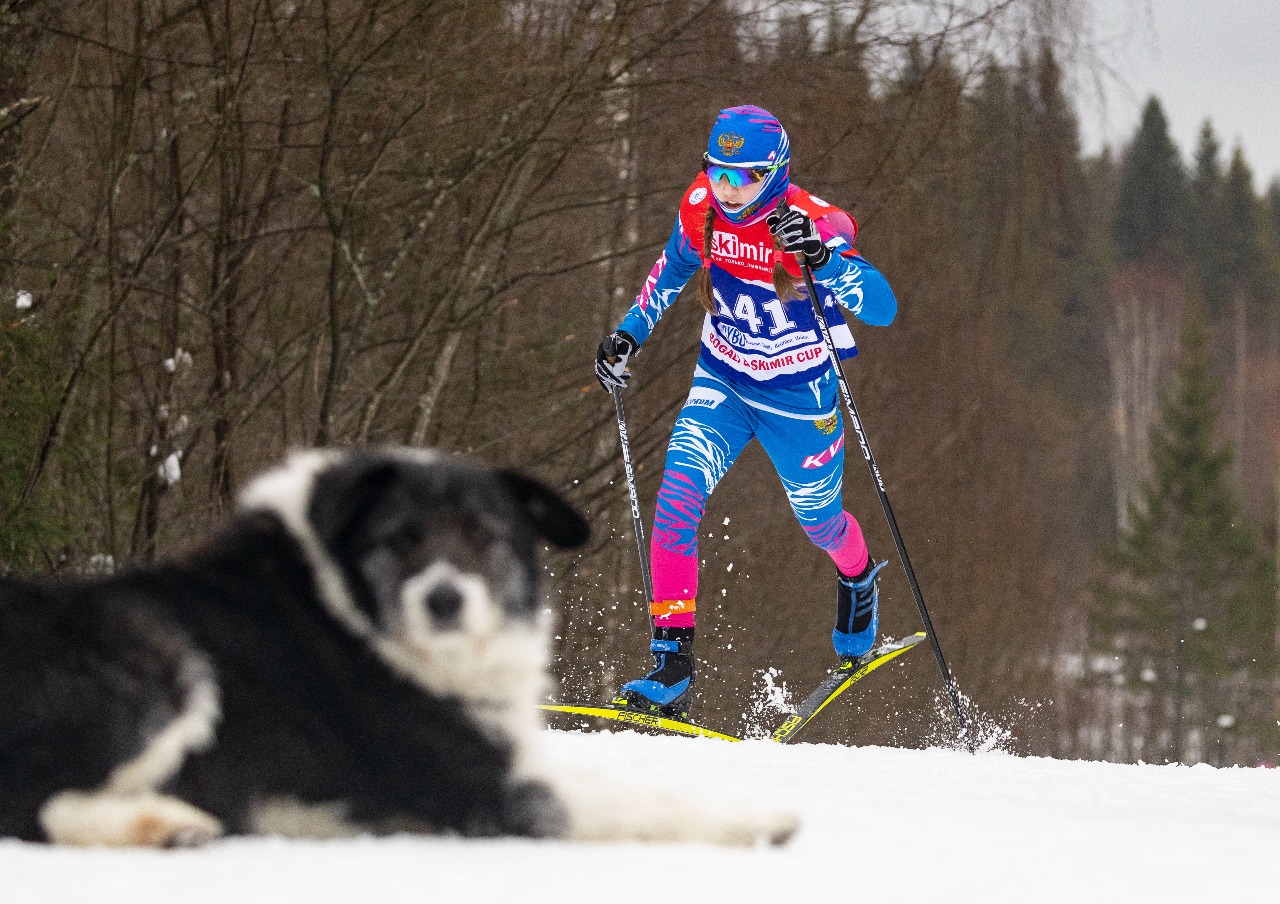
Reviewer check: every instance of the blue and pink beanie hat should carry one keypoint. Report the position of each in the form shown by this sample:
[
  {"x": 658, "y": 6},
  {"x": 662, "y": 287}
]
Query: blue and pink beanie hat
[{"x": 751, "y": 137}]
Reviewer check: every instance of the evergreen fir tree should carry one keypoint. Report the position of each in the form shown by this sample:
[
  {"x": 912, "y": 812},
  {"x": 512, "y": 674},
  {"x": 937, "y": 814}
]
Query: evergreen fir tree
[
  {"x": 1208, "y": 222},
  {"x": 1057, "y": 136},
  {"x": 1240, "y": 209},
  {"x": 1153, "y": 198},
  {"x": 1186, "y": 608},
  {"x": 1270, "y": 244}
]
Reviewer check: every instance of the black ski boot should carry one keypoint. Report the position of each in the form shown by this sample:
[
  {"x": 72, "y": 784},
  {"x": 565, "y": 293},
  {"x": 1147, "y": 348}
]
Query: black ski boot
[
  {"x": 857, "y": 611},
  {"x": 667, "y": 690}
]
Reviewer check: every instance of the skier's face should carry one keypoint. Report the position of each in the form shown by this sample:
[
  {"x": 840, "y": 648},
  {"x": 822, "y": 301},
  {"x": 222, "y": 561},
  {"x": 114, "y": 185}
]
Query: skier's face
[{"x": 733, "y": 197}]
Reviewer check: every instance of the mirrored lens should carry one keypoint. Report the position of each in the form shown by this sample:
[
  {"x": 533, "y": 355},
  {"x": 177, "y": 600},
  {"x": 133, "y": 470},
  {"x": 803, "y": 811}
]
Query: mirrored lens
[{"x": 735, "y": 176}]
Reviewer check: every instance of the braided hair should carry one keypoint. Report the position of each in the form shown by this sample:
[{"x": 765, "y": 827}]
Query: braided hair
[{"x": 785, "y": 285}]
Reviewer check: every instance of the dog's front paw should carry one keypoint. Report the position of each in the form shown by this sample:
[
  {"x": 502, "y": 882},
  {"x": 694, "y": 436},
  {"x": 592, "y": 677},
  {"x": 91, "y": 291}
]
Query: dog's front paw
[{"x": 126, "y": 820}]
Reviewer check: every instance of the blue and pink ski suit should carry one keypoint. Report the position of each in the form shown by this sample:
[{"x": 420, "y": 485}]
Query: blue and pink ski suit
[{"x": 763, "y": 372}]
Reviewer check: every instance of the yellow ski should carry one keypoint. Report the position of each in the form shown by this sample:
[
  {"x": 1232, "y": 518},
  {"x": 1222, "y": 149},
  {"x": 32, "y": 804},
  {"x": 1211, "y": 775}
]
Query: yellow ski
[
  {"x": 835, "y": 684},
  {"x": 631, "y": 717},
  {"x": 839, "y": 681}
]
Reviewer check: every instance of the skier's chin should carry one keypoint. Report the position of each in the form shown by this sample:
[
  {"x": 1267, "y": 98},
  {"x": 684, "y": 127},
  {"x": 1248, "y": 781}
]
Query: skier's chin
[{"x": 733, "y": 208}]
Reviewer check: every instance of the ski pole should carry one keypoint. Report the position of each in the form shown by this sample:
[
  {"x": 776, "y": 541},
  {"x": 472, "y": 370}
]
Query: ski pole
[
  {"x": 645, "y": 575},
  {"x": 952, "y": 690}
]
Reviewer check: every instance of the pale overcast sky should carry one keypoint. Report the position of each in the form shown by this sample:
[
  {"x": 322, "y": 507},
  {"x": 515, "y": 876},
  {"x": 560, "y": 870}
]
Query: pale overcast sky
[{"x": 1204, "y": 59}]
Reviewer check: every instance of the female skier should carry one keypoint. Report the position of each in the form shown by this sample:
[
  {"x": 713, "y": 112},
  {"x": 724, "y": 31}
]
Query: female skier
[{"x": 763, "y": 372}]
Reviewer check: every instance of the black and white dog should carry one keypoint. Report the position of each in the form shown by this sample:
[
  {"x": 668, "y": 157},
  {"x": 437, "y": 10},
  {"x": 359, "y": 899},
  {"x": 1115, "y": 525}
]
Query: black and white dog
[{"x": 359, "y": 649}]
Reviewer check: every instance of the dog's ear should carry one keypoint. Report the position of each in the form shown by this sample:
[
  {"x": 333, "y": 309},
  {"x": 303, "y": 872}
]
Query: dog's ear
[
  {"x": 344, "y": 494},
  {"x": 553, "y": 516}
]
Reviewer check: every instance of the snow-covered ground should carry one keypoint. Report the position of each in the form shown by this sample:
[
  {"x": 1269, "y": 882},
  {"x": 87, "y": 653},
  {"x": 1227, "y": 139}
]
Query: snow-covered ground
[{"x": 879, "y": 824}]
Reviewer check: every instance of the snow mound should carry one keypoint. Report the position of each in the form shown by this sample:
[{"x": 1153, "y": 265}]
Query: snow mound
[{"x": 879, "y": 824}]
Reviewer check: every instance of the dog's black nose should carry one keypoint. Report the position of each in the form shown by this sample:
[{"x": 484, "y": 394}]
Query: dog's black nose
[{"x": 445, "y": 602}]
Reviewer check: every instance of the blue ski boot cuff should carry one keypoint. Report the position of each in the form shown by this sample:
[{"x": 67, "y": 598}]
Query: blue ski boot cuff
[
  {"x": 857, "y": 613},
  {"x": 866, "y": 581}
]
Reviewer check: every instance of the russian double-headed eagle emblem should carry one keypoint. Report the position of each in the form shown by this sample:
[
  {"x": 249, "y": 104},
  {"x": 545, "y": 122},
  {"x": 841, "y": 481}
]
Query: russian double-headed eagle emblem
[
  {"x": 730, "y": 144},
  {"x": 826, "y": 424}
]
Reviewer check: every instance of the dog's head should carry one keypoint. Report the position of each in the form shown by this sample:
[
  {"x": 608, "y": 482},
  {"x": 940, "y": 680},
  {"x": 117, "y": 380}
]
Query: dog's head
[{"x": 434, "y": 557}]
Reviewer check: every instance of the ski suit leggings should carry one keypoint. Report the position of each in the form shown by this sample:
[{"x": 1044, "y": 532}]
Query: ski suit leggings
[{"x": 715, "y": 425}]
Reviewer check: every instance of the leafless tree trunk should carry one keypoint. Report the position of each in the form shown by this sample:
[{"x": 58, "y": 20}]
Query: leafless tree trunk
[
  {"x": 430, "y": 397},
  {"x": 1141, "y": 338}
]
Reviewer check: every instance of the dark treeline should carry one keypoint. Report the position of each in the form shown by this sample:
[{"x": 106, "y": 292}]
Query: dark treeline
[{"x": 227, "y": 230}]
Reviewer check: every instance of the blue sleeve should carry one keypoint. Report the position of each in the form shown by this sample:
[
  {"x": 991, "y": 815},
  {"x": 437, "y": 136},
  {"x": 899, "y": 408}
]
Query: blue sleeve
[
  {"x": 860, "y": 288},
  {"x": 679, "y": 261}
]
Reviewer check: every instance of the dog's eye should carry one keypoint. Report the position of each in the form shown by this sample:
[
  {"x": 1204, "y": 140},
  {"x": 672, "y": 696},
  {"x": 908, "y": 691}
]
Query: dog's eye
[{"x": 405, "y": 538}]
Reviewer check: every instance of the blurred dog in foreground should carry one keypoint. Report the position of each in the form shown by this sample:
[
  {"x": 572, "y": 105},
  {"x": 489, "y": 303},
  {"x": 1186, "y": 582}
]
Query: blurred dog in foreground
[{"x": 358, "y": 650}]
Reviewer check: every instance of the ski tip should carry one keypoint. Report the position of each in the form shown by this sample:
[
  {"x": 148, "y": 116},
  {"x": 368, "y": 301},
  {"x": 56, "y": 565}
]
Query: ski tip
[
  {"x": 889, "y": 646},
  {"x": 909, "y": 641},
  {"x": 894, "y": 646}
]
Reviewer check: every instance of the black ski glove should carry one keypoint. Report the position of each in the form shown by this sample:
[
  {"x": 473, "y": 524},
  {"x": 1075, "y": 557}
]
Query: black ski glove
[
  {"x": 799, "y": 235},
  {"x": 611, "y": 359}
]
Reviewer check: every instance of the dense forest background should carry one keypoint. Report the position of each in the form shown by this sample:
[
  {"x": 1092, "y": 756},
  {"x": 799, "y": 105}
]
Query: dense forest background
[{"x": 231, "y": 229}]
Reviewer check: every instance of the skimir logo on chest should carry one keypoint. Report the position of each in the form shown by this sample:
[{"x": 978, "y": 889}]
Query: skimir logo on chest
[{"x": 728, "y": 245}]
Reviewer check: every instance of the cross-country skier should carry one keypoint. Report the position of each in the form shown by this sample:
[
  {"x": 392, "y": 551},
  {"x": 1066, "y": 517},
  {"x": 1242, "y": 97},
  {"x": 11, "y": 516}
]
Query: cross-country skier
[{"x": 763, "y": 372}]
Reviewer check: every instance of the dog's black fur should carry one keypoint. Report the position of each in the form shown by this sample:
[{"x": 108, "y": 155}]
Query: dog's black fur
[{"x": 290, "y": 659}]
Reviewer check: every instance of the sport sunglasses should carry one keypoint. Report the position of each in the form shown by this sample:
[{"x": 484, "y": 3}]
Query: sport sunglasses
[{"x": 736, "y": 175}]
